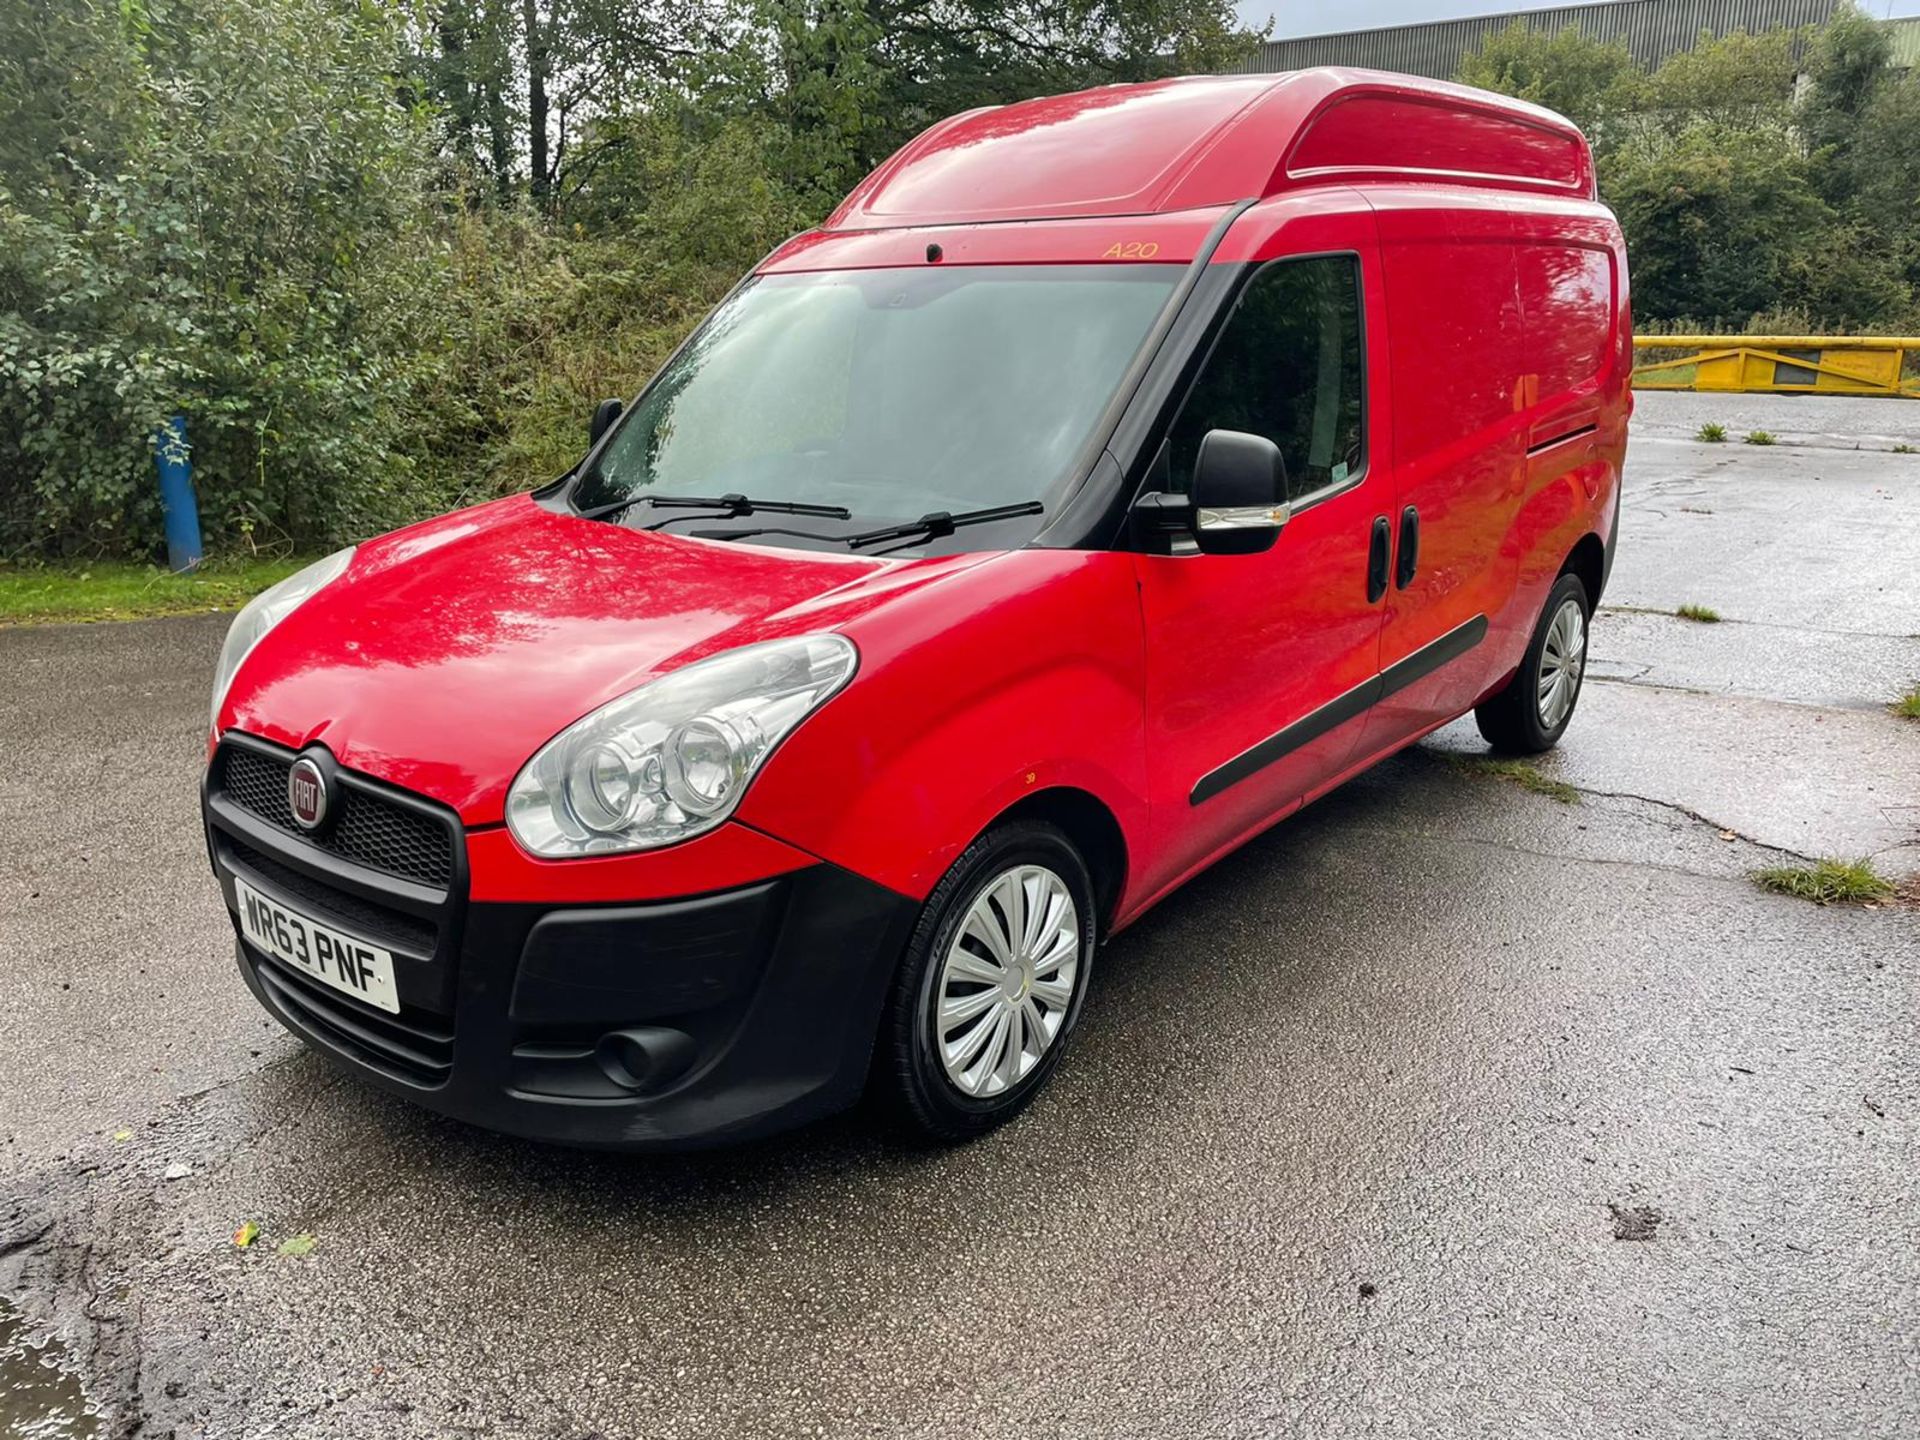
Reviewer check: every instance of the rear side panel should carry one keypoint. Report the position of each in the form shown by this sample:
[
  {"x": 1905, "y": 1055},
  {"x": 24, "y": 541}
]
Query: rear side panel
[{"x": 1573, "y": 290}]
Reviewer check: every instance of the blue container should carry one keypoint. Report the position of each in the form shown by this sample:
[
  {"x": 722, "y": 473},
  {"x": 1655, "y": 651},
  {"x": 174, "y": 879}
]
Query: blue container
[{"x": 178, "y": 504}]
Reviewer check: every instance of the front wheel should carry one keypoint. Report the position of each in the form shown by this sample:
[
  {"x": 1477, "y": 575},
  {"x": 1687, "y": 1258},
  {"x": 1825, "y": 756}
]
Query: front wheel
[
  {"x": 991, "y": 983},
  {"x": 1532, "y": 712}
]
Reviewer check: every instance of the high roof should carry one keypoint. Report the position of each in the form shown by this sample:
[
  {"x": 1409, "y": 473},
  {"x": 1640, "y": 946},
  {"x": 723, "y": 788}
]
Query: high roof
[{"x": 1171, "y": 145}]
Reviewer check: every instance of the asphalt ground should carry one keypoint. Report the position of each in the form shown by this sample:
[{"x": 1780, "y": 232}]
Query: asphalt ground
[{"x": 1444, "y": 1109}]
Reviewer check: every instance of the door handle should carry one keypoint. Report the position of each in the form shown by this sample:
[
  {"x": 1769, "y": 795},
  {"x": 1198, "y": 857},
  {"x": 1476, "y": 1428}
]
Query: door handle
[
  {"x": 1377, "y": 559},
  {"x": 1409, "y": 548}
]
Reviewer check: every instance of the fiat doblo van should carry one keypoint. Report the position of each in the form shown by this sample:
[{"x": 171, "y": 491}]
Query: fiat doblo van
[{"x": 1108, "y": 477}]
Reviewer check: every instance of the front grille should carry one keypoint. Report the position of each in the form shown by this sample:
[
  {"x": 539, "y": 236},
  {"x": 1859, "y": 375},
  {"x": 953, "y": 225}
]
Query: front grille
[
  {"x": 387, "y": 868},
  {"x": 368, "y": 828},
  {"x": 416, "y": 1052}
]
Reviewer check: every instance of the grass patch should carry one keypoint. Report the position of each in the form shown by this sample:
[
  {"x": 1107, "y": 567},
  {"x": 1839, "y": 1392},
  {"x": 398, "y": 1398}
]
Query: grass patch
[
  {"x": 1711, "y": 433},
  {"x": 1517, "y": 772},
  {"x": 117, "y": 590},
  {"x": 1907, "y": 707},
  {"x": 1905, "y": 449},
  {"x": 1759, "y": 437},
  {"x": 1826, "y": 882},
  {"x": 1703, "y": 614}
]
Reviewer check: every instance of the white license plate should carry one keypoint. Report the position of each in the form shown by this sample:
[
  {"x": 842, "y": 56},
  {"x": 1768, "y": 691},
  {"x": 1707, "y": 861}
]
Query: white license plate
[{"x": 330, "y": 956}]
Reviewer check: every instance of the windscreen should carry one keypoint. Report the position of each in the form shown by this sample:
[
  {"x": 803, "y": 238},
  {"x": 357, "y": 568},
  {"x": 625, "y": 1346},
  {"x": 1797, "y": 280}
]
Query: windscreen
[{"x": 893, "y": 393}]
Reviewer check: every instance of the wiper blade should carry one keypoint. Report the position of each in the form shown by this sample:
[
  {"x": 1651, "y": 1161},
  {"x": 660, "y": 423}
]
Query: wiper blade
[
  {"x": 932, "y": 527},
  {"x": 943, "y": 522},
  {"x": 737, "y": 504},
  {"x": 729, "y": 506}
]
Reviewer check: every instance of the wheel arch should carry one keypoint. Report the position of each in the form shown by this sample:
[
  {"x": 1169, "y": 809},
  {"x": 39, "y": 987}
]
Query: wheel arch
[
  {"x": 1588, "y": 560},
  {"x": 1094, "y": 831}
]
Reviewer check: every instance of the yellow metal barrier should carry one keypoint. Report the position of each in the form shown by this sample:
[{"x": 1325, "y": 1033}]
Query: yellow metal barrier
[{"x": 1780, "y": 364}]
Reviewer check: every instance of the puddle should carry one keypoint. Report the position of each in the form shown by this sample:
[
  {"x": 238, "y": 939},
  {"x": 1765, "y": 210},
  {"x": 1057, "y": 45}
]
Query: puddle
[{"x": 39, "y": 1397}]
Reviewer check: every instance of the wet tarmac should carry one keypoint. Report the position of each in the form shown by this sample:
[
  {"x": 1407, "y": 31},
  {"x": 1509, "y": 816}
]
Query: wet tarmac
[{"x": 1444, "y": 1109}]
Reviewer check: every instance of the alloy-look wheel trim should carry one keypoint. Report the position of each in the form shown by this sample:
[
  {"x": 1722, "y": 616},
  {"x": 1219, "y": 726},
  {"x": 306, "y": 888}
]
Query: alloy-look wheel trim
[
  {"x": 1007, "y": 981},
  {"x": 1563, "y": 658}
]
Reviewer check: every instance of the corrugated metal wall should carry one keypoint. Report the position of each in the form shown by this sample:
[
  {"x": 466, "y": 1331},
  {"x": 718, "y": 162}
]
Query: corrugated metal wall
[
  {"x": 1653, "y": 30},
  {"x": 1906, "y": 42}
]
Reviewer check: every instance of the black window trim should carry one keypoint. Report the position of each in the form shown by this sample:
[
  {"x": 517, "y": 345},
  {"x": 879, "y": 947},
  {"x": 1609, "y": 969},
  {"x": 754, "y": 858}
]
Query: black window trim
[{"x": 1227, "y": 314}]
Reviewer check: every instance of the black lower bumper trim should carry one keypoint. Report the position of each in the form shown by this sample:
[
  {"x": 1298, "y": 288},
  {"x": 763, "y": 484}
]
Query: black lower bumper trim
[
  {"x": 416, "y": 1058},
  {"x": 664, "y": 1026}
]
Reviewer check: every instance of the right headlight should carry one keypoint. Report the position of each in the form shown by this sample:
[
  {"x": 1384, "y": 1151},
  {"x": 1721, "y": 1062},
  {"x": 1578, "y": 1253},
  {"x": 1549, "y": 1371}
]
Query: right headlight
[{"x": 670, "y": 760}]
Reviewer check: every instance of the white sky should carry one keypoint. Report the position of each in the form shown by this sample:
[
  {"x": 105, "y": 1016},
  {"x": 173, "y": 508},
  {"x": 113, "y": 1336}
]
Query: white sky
[{"x": 1319, "y": 17}]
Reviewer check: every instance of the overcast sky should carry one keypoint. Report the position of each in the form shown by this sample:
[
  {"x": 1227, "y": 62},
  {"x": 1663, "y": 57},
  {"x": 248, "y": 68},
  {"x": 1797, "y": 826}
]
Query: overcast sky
[{"x": 1318, "y": 17}]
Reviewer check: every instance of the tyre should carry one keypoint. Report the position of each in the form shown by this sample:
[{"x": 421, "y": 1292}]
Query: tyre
[
  {"x": 1532, "y": 712},
  {"x": 990, "y": 985}
]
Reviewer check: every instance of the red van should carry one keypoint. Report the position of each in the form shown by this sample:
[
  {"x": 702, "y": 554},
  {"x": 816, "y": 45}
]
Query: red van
[{"x": 1110, "y": 476}]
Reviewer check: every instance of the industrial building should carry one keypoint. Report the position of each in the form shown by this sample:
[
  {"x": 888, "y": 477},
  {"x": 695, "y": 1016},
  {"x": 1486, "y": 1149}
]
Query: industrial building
[{"x": 1652, "y": 30}]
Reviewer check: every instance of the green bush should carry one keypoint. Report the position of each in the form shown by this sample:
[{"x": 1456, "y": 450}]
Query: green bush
[{"x": 230, "y": 218}]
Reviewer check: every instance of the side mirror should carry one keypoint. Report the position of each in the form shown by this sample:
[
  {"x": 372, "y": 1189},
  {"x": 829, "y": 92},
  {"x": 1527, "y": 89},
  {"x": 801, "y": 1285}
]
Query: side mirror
[
  {"x": 604, "y": 414},
  {"x": 1239, "y": 493}
]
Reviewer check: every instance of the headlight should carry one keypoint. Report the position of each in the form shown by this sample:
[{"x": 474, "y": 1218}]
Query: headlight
[
  {"x": 670, "y": 760},
  {"x": 266, "y": 610}
]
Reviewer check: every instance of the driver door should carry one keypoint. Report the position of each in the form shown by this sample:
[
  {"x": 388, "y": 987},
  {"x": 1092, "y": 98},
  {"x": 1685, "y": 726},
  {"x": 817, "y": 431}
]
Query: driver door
[{"x": 1260, "y": 667}]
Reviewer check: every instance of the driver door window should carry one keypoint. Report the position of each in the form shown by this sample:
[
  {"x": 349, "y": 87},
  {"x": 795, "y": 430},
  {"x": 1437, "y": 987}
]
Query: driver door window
[{"x": 1289, "y": 366}]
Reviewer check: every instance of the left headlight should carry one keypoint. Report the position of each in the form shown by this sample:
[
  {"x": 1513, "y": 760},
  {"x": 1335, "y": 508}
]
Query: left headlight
[
  {"x": 266, "y": 610},
  {"x": 670, "y": 760}
]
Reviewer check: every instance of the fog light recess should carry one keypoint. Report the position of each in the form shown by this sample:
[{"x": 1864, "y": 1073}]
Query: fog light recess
[{"x": 647, "y": 1057}]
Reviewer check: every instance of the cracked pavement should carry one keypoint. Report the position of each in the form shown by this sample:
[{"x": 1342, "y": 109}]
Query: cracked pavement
[{"x": 1442, "y": 1109}]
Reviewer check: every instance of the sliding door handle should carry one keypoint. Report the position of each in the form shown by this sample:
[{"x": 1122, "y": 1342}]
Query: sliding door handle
[
  {"x": 1409, "y": 548},
  {"x": 1377, "y": 558}
]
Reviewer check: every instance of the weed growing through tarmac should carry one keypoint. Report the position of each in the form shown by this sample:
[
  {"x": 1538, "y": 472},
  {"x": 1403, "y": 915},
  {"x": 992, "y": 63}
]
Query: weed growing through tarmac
[
  {"x": 1704, "y": 614},
  {"x": 1904, "y": 449},
  {"x": 1826, "y": 882},
  {"x": 1907, "y": 707},
  {"x": 1711, "y": 433},
  {"x": 1517, "y": 772},
  {"x": 1759, "y": 437}
]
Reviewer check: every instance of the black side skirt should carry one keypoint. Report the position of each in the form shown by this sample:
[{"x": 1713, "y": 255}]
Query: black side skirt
[{"x": 1342, "y": 708}]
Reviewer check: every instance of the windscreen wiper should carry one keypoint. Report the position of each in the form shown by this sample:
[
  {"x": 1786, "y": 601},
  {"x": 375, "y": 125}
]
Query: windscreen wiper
[
  {"x": 943, "y": 522},
  {"x": 939, "y": 523},
  {"x": 729, "y": 506}
]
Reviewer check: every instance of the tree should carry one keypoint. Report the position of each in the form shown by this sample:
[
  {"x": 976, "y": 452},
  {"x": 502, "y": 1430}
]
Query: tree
[
  {"x": 1739, "y": 79},
  {"x": 1715, "y": 221},
  {"x": 941, "y": 56},
  {"x": 471, "y": 75},
  {"x": 1846, "y": 67},
  {"x": 526, "y": 76},
  {"x": 1593, "y": 83},
  {"x": 224, "y": 212}
]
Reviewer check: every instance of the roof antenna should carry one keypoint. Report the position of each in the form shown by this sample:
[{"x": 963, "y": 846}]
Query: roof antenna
[{"x": 934, "y": 252}]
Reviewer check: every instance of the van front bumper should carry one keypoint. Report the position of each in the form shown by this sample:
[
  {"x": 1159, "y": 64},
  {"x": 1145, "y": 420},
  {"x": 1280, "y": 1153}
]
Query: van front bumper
[{"x": 671, "y": 1024}]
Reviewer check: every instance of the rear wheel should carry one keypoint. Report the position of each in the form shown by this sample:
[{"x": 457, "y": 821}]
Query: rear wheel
[
  {"x": 991, "y": 983},
  {"x": 1533, "y": 711}
]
